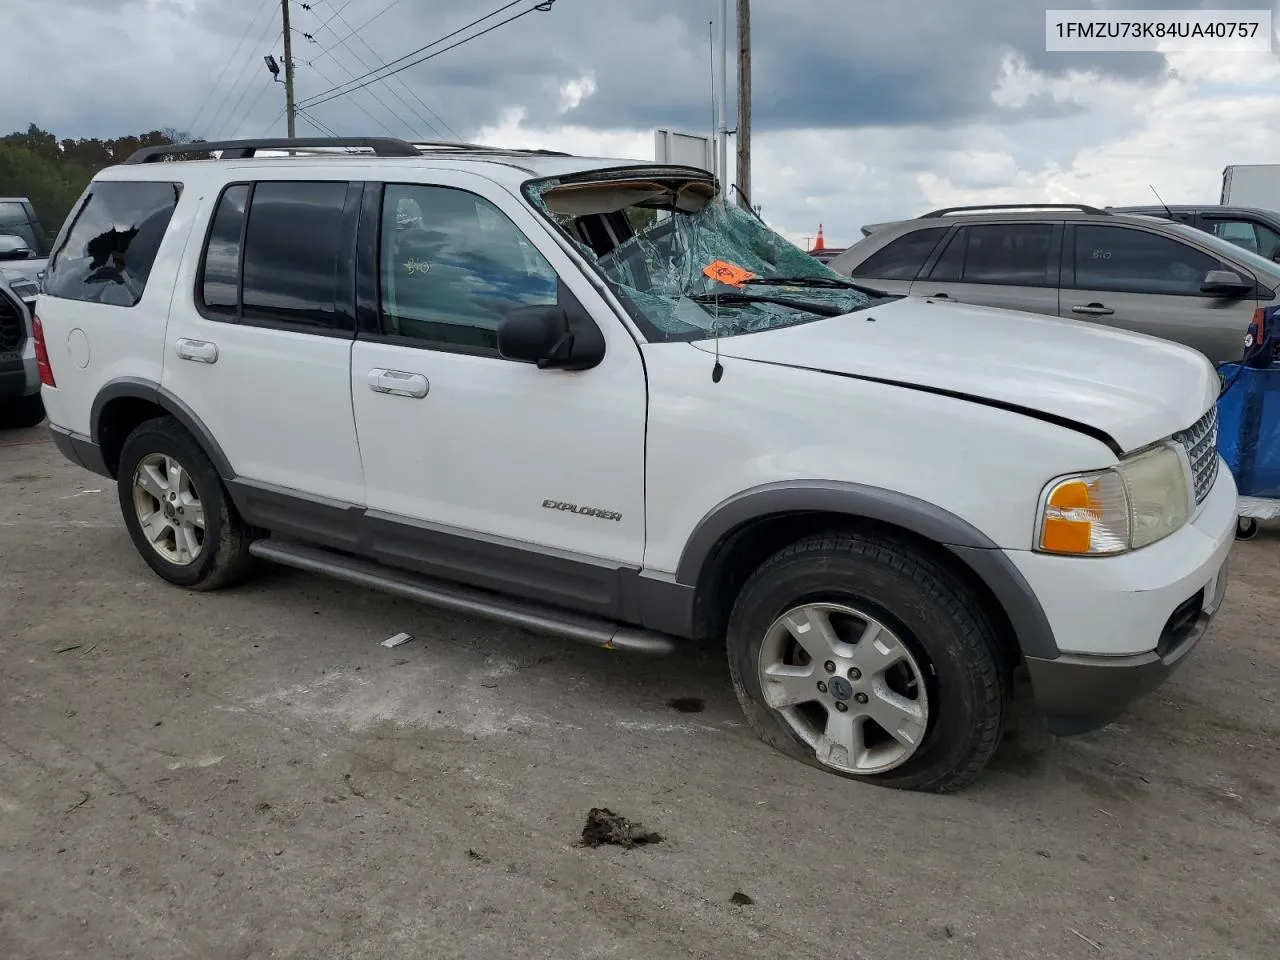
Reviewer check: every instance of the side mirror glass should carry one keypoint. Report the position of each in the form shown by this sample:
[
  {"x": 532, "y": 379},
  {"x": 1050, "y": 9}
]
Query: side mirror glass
[
  {"x": 1225, "y": 283},
  {"x": 13, "y": 248},
  {"x": 545, "y": 336}
]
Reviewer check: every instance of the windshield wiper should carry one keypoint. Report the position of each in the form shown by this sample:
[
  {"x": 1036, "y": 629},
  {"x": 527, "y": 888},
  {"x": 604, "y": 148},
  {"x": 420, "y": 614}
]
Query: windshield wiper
[
  {"x": 821, "y": 309},
  {"x": 825, "y": 282}
]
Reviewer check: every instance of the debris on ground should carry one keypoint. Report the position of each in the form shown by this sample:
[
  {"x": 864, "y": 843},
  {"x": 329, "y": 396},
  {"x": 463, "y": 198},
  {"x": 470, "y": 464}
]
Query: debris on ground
[
  {"x": 606, "y": 827},
  {"x": 398, "y": 640},
  {"x": 741, "y": 899},
  {"x": 74, "y": 646},
  {"x": 477, "y": 856},
  {"x": 687, "y": 704}
]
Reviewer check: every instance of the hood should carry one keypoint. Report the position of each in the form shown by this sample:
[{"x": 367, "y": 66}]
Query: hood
[{"x": 1132, "y": 388}]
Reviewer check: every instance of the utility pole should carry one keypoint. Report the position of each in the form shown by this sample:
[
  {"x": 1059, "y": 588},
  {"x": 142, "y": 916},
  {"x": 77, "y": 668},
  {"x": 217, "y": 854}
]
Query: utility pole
[
  {"x": 723, "y": 132},
  {"x": 289, "y": 110},
  {"x": 744, "y": 103}
]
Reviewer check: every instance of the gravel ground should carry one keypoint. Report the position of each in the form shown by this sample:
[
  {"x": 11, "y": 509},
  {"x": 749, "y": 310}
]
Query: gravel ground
[{"x": 250, "y": 774}]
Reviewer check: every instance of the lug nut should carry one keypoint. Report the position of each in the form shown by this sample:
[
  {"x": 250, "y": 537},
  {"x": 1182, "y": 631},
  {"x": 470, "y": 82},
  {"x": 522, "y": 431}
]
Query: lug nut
[
  {"x": 830, "y": 667},
  {"x": 841, "y": 707},
  {"x": 855, "y": 673},
  {"x": 822, "y": 687},
  {"x": 860, "y": 697}
]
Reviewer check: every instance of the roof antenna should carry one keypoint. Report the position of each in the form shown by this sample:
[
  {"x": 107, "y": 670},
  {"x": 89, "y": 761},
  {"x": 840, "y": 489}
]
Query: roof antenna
[
  {"x": 717, "y": 371},
  {"x": 1162, "y": 203}
]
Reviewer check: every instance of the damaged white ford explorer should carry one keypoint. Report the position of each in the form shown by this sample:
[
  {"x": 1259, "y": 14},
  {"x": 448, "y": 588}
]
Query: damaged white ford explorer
[{"x": 593, "y": 399}]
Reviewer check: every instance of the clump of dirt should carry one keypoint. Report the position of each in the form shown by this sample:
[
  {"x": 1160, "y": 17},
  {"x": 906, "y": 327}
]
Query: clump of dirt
[{"x": 606, "y": 827}]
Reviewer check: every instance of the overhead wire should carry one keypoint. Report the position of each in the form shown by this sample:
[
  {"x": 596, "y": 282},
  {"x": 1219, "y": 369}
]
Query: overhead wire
[
  {"x": 363, "y": 63},
  {"x": 230, "y": 118},
  {"x": 359, "y": 106},
  {"x": 332, "y": 94},
  {"x": 399, "y": 81},
  {"x": 266, "y": 5}
]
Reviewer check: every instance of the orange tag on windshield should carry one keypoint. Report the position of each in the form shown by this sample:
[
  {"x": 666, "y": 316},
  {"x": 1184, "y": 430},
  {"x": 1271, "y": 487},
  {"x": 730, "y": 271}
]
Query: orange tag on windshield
[{"x": 727, "y": 273}]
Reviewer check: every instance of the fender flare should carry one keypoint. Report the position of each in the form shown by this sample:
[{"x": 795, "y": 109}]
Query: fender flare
[
  {"x": 140, "y": 389},
  {"x": 963, "y": 540}
]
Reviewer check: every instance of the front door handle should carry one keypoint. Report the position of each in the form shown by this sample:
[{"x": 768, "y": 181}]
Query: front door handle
[
  {"x": 398, "y": 383},
  {"x": 199, "y": 351},
  {"x": 940, "y": 296},
  {"x": 1093, "y": 309}
]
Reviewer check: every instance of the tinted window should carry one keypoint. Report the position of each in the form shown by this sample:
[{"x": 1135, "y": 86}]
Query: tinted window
[
  {"x": 112, "y": 244},
  {"x": 220, "y": 269},
  {"x": 291, "y": 252},
  {"x": 950, "y": 265},
  {"x": 452, "y": 266},
  {"x": 1254, "y": 237},
  {"x": 1116, "y": 258},
  {"x": 1010, "y": 253},
  {"x": 903, "y": 258}
]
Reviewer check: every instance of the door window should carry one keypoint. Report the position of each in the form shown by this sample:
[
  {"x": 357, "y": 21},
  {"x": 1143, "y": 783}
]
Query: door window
[
  {"x": 903, "y": 258},
  {"x": 1010, "y": 254},
  {"x": 1254, "y": 237},
  {"x": 113, "y": 242},
  {"x": 273, "y": 253},
  {"x": 1134, "y": 261},
  {"x": 452, "y": 265}
]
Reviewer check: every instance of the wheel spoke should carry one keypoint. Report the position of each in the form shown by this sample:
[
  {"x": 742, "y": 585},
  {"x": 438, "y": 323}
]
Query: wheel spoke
[
  {"x": 877, "y": 650},
  {"x": 193, "y": 513},
  {"x": 188, "y": 542},
  {"x": 787, "y": 686},
  {"x": 154, "y": 526},
  {"x": 902, "y": 719},
  {"x": 811, "y": 628},
  {"x": 842, "y": 742},
  {"x": 153, "y": 481},
  {"x": 178, "y": 480}
]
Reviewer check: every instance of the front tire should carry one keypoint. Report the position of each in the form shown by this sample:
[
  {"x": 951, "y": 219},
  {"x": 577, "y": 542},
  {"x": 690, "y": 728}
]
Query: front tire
[
  {"x": 863, "y": 657},
  {"x": 177, "y": 510}
]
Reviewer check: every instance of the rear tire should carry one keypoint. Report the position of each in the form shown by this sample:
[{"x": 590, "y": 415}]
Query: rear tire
[
  {"x": 177, "y": 511},
  {"x": 21, "y": 412},
  {"x": 919, "y": 690}
]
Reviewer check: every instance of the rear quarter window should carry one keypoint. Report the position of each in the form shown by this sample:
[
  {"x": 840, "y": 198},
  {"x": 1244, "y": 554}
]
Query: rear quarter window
[
  {"x": 902, "y": 258},
  {"x": 111, "y": 243}
]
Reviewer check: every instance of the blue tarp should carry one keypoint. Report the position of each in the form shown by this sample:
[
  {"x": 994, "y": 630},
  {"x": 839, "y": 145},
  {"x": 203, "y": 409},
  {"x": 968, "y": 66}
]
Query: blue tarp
[{"x": 1249, "y": 428}]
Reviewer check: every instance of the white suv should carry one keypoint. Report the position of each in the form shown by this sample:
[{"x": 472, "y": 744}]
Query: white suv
[{"x": 591, "y": 398}]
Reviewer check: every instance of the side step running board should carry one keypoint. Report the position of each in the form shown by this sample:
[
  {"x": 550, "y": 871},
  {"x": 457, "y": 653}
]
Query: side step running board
[{"x": 528, "y": 615}]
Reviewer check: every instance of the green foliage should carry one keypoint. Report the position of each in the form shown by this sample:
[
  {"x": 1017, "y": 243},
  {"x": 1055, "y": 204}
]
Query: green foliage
[{"x": 54, "y": 173}]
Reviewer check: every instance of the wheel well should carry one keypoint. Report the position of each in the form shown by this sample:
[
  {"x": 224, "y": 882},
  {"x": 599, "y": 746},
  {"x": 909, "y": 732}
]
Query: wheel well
[
  {"x": 737, "y": 555},
  {"x": 119, "y": 418}
]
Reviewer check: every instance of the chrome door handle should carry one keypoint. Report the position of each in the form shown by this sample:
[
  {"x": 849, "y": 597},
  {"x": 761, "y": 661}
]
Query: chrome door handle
[
  {"x": 1093, "y": 309},
  {"x": 200, "y": 351},
  {"x": 398, "y": 383}
]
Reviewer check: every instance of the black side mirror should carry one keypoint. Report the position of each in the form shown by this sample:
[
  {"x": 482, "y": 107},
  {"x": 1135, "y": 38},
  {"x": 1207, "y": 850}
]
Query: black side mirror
[
  {"x": 1275, "y": 257},
  {"x": 1225, "y": 283},
  {"x": 546, "y": 335}
]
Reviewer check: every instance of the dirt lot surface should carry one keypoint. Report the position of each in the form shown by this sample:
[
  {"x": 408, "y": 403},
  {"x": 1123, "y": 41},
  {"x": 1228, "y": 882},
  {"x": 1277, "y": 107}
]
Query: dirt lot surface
[{"x": 250, "y": 774}]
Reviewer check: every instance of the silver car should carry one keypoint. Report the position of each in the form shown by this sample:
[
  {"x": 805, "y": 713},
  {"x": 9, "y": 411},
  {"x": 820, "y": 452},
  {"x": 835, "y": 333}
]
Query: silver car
[{"x": 1139, "y": 273}]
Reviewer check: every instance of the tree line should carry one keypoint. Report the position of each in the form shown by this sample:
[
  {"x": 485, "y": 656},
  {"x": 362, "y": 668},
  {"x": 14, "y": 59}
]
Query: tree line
[{"x": 52, "y": 173}]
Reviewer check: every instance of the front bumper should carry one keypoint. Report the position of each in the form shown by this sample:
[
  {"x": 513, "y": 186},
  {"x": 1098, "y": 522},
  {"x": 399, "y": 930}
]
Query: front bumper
[{"x": 1123, "y": 624}]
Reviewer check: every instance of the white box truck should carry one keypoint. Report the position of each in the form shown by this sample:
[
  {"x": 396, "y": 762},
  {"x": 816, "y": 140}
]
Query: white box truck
[{"x": 1251, "y": 185}]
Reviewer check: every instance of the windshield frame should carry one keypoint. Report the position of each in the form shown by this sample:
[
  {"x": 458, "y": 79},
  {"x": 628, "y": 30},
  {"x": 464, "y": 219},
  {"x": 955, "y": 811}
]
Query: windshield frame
[{"x": 648, "y": 329}]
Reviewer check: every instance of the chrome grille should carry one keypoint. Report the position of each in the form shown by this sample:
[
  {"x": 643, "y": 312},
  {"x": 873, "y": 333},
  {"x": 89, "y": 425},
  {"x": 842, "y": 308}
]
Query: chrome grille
[
  {"x": 11, "y": 332},
  {"x": 1200, "y": 440}
]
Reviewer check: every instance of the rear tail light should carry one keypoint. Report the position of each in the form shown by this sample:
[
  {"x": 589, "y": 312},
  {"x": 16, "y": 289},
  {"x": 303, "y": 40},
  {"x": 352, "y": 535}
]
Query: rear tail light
[{"x": 42, "y": 354}]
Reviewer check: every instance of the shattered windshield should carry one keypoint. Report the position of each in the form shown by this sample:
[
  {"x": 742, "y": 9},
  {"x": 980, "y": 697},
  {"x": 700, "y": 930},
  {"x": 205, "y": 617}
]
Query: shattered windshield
[{"x": 688, "y": 265}]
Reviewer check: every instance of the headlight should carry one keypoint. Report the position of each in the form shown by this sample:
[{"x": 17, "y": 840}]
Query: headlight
[{"x": 1142, "y": 499}]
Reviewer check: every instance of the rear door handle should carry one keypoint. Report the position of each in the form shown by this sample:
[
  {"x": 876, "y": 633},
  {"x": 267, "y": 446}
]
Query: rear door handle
[
  {"x": 1093, "y": 309},
  {"x": 398, "y": 383},
  {"x": 199, "y": 351}
]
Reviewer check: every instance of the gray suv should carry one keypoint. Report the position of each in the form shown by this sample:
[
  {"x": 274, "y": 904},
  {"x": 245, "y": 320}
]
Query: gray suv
[{"x": 1139, "y": 273}]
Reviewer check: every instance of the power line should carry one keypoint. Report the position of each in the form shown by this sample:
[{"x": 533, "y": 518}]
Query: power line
[
  {"x": 266, "y": 5},
  {"x": 214, "y": 122},
  {"x": 400, "y": 80},
  {"x": 329, "y": 49},
  {"x": 371, "y": 117},
  {"x": 544, "y": 6},
  {"x": 360, "y": 60}
]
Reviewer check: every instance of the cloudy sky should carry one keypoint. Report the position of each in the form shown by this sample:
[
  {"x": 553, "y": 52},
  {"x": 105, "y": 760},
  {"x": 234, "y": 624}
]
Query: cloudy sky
[{"x": 865, "y": 110}]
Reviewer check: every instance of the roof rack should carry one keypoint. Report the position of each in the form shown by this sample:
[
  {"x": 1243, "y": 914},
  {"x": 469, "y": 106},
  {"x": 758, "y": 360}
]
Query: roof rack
[
  {"x": 461, "y": 145},
  {"x": 1083, "y": 208},
  {"x": 244, "y": 149}
]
